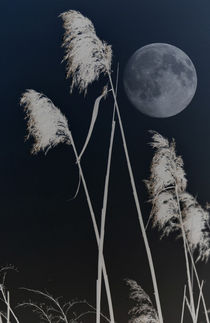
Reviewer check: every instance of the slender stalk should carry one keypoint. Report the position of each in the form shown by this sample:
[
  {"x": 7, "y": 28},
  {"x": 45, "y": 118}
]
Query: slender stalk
[
  {"x": 192, "y": 305},
  {"x": 103, "y": 217},
  {"x": 103, "y": 212},
  {"x": 199, "y": 284},
  {"x": 6, "y": 301},
  {"x": 141, "y": 222},
  {"x": 199, "y": 300},
  {"x": 8, "y": 308},
  {"x": 192, "y": 275},
  {"x": 153, "y": 205},
  {"x": 95, "y": 227},
  {"x": 183, "y": 304},
  {"x": 188, "y": 305}
]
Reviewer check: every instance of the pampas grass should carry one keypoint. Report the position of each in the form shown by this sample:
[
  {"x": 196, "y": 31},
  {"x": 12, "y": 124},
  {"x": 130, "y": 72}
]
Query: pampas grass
[
  {"x": 86, "y": 55},
  {"x": 174, "y": 209},
  {"x": 167, "y": 177},
  {"x": 38, "y": 109},
  {"x": 196, "y": 226},
  {"x": 143, "y": 310},
  {"x": 83, "y": 46},
  {"x": 166, "y": 168},
  {"x": 45, "y": 123}
]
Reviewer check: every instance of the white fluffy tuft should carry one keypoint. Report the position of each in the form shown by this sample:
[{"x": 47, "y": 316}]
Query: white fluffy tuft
[
  {"x": 166, "y": 168},
  {"x": 143, "y": 310},
  {"x": 196, "y": 226},
  {"x": 167, "y": 179},
  {"x": 46, "y": 123},
  {"x": 166, "y": 213},
  {"x": 86, "y": 55}
]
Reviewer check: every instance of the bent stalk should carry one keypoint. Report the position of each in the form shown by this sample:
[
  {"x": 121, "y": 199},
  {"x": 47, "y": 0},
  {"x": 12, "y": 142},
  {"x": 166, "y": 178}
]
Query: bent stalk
[
  {"x": 199, "y": 284},
  {"x": 141, "y": 222},
  {"x": 192, "y": 305},
  {"x": 103, "y": 217},
  {"x": 95, "y": 227},
  {"x": 103, "y": 212}
]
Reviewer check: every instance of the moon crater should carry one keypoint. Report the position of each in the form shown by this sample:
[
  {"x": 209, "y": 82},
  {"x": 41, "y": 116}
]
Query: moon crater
[{"x": 160, "y": 80}]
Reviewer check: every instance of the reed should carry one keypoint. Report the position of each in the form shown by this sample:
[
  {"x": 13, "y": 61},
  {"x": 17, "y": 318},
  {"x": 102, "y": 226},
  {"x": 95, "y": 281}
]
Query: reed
[
  {"x": 98, "y": 54},
  {"x": 143, "y": 310},
  {"x": 174, "y": 209},
  {"x": 56, "y": 131}
]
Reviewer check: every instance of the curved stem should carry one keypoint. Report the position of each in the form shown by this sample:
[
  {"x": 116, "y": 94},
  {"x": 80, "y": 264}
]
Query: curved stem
[
  {"x": 183, "y": 304},
  {"x": 192, "y": 305},
  {"x": 95, "y": 227},
  {"x": 103, "y": 218},
  {"x": 103, "y": 212},
  {"x": 199, "y": 300},
  {"x": 7, "y": 302},
  {"x": 199, "y": 284},
  {"x": 141, "y": 222}
]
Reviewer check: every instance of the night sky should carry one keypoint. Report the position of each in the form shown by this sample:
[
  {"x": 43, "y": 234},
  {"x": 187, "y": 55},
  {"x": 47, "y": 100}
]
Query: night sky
[{"x": 44, "y": 233}]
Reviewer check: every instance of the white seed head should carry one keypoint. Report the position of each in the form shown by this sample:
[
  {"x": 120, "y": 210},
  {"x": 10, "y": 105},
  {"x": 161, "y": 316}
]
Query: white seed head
[
  {"x": 165, "y": 213},
  {"x": 85, "y": 54},
  {"x": 166, "y": 168},
  {"x": 171, "y": 203},
  {"x": 143, "y": 311},
  {"x": 46, "y": 123},
  {"x": 158, "y": 140},
  {"x": 196, "y": 226}
]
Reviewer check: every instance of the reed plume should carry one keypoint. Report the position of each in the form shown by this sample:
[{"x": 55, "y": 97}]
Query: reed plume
[
  {"x": 85, "y": 54},
  {"x": 87, "y": 57},
  {"x": 49, "y": 127},
  {"x": 167, "y": 176},
  {"x": 166, "y": 168},
  {"x": 175, "y": 209},
  {"x": 143, "y": 310},
  {"x": 46, "y": 123},
  {"x": 165, "y": 213},
  {"x": 196, "y": 225}
]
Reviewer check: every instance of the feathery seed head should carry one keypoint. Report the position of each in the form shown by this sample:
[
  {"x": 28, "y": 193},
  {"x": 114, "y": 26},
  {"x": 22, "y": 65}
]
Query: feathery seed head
[
  {"x": 158, "y": 140},
  {"x": 85, "y": 54},
  {"x": 165, "y": 213},
  {"x": 196, "y": 226},
  {"x": 166, "y": 168},
  {"x": 172, "y": 205},
  {"x": 143, "y": 310},
  {"x": 46, "y": 123}
]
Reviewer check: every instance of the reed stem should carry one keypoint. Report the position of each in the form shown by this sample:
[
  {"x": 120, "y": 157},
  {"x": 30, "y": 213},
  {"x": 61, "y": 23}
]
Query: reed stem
[
  {"x": 141, "y": 222},
  {"x": 192, "y": 305},
  {"x": 95, "y": 227},
  {"x": 103, "y": 217},
  {"x": 199, "y": 284}
]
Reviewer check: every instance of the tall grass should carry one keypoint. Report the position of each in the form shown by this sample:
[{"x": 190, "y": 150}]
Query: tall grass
[
  {"x": 83, "y": 46},
  {"x": 173, "y": 208},
  {"x": 143, "y": 310},
  {"x": 37, "y": 129}
]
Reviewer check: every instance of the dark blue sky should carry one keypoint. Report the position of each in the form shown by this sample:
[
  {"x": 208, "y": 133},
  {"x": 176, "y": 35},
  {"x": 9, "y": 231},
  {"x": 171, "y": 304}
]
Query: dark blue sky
[{"x": 49, "y": 238}]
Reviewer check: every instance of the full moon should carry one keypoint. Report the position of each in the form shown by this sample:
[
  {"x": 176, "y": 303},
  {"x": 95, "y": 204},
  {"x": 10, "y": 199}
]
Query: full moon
[{"x": 160, "y": 80}]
